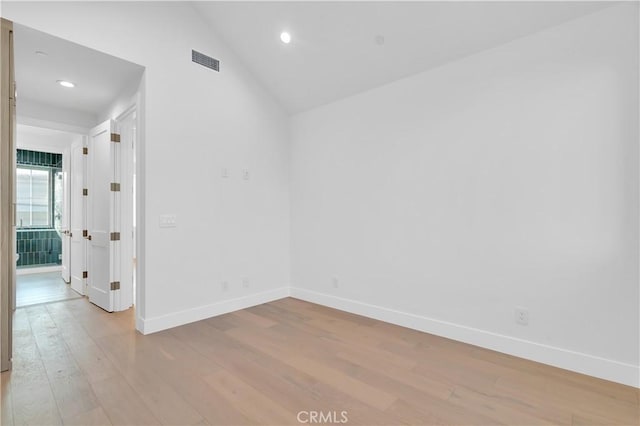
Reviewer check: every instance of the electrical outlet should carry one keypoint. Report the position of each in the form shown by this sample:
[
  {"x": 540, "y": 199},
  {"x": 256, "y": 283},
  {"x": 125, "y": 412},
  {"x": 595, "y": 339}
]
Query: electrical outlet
[
  {"x": 225, "y": 172},
  {"x": 245, "y": 174},
  {"x": 245, "y": 282},
  {"x": 225, "y": 285},
  {"x": 335, "y": 282},
  {"x": 522, "y": 315}
]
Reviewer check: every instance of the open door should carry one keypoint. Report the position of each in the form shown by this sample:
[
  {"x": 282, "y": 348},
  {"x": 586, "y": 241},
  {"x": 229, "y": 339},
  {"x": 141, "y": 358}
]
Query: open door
[
  {"x": 126, "y": 125},
  {"x": 77, "y": 243},
  {"x": 103, "y": 222},
  {"x": 7, "y": 192},
  {"x": 62, "y": 209}
]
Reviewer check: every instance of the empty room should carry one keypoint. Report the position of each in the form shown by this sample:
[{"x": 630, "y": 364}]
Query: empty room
[{"x": 291, "y": 213}]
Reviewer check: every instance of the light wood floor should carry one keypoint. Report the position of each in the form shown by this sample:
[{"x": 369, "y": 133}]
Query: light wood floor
[
  {"x": 76, "y": 364},
  {"x": 32, "y": 289}
]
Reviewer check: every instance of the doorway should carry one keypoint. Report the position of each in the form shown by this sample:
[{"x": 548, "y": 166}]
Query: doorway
[
  {"x": 42, "y": 215},
  {"x": 74, "y": 217}
]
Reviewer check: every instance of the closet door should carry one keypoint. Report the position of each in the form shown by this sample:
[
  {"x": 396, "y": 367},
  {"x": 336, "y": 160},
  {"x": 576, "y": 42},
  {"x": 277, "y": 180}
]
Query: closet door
[{"x": 102, "y": 221}]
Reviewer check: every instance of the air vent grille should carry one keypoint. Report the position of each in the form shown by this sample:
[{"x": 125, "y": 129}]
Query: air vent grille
[{"x": 205, "y": 61}]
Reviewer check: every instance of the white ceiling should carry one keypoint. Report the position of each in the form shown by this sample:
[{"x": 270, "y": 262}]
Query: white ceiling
[
  {"x": 334, "y": 54},
  {"x": 99, "y": 78}
]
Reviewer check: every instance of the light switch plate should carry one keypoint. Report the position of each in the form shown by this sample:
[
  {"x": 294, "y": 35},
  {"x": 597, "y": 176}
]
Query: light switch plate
[{"x": 168, "y": 221}]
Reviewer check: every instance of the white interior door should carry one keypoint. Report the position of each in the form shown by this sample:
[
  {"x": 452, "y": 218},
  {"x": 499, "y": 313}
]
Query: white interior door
[
  {"x": 77, "y": 249},
  {"x": 126, "y": 126},
  {"x": 102, "y": 220},
  {"x": 64, "y": 232}
]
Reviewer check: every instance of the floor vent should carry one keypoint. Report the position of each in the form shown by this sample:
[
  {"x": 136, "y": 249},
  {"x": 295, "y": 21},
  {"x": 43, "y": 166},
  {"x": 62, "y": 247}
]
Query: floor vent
[{"x": 205, "y": 61}]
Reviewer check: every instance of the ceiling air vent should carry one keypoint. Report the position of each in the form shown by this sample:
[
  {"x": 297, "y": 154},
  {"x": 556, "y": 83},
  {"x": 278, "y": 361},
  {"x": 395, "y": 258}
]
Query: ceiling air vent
[{"x": 205, "y": 61}]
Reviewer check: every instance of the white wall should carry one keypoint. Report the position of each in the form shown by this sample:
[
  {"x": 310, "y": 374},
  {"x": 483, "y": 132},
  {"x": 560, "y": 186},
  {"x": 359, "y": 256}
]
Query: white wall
[
  {"x": 196, "y": 122},
  {"x": 44, "y": 139},
  {"x": 27, "y": 108},
  {"x": 508, "y": 178},
  {"x": 129, "y": 96}
]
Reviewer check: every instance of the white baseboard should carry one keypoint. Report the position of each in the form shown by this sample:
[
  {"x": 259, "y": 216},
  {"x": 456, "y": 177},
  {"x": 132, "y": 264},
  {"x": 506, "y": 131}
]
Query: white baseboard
[
  {"x": 139, "y": 323},
  {"x": 152, "y": 325},
  {"x": 38, "y": 270},
  {"x": 603, "y": 368}
]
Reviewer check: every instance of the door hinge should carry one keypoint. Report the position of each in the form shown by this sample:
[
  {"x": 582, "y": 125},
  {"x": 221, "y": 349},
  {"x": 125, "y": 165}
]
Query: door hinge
[
  {"x": 85, "y": 274},
  {"x": 115, "y": 187},
  {"x": 85, "y": 233},
  {"x": 115, "y": 236},
  {"x": 85, "y": 192},
  {"x": 115, "y": 137},
  {"x": 85, "y": 150},
  {"x": 115, "y": 285}
]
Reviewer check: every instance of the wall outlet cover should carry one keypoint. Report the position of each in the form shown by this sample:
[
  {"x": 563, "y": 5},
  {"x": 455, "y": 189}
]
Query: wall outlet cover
[{"x": 522, "y": 315}]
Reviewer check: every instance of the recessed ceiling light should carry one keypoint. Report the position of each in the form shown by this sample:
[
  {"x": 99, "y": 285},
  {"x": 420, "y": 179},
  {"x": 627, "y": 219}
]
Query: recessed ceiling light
[
  {"x": 41, "y": 53},
  {"x": 65, "y": 83},
  {"x": 285, "y": 37}
]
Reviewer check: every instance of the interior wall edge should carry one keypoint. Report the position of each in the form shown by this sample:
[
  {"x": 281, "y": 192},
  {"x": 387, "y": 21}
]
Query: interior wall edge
[
  {"x": 175, "y": 319},
  {"x": 578, "y": 362}
]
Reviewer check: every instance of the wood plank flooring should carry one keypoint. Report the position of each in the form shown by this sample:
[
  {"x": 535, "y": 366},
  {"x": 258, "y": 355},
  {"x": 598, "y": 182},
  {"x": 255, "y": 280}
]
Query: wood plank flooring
[
  {"x": 75, "y": 364},
  {"x": 33, "y": 289}
]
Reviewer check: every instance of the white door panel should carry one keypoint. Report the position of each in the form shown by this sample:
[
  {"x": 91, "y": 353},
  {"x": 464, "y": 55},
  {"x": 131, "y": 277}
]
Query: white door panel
[
  {"x": 64, "y": 220},
  {"x": 126, "y": 127},
  {"x": 100, "y": 291},
  {"x": 101, "y": 216},
  {"x": 77, "y": 249}
]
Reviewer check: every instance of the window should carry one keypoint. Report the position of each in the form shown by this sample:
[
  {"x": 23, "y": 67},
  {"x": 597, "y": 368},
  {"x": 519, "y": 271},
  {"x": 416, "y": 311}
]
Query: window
[{"x": 33, "y": 197}]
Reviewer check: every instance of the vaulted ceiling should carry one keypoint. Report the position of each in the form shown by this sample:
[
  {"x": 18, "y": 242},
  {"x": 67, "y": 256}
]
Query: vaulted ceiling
[
  {"x": 338, "y": 48},
  {"x": 342, "y": 48}
]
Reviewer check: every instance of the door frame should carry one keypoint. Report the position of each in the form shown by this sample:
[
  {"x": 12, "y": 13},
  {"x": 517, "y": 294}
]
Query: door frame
[{"x": 7, "y": 193}]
